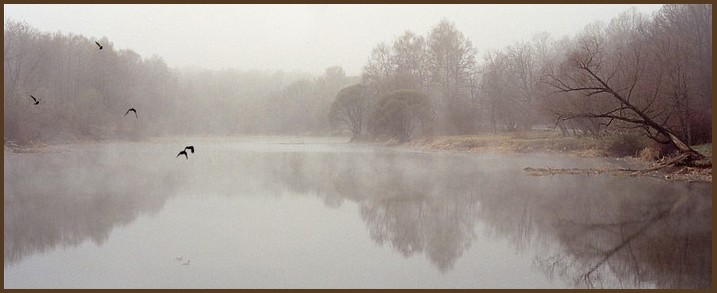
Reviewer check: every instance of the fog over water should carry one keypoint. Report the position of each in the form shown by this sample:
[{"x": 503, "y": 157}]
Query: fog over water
[
  {"x": 357, "y": 146},
  {"x": 294, "y": 213}
]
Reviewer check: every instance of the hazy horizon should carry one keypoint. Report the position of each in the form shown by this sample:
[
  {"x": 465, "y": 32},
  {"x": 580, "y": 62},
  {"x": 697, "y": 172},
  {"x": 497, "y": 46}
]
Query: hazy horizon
[
  {"x": 305, "y": 38},
  {"x": 358, "y": 146}
]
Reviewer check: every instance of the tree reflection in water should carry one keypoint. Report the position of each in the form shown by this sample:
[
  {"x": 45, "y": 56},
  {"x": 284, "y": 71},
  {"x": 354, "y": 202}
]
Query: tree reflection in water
[
  {"x": 435, "y": 226},
  {"x": 600, "y": 231},
  {"x": 659, "y": 238},
  {"x": 414, "y": 208},
  {"x": 68, "y": 202}
]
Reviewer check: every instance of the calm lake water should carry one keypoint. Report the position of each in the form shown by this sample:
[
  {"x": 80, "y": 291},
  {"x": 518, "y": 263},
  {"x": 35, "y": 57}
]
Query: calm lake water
[{"x": 295, "y": 212}]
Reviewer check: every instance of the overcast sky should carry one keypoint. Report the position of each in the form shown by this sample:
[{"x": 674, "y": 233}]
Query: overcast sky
[{"x": 299, "y": 37}]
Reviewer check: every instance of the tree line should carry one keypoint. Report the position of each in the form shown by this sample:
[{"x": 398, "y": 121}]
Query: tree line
[
  {"x": 85, "y": 91},
  {"x": 640, "y": 73}
]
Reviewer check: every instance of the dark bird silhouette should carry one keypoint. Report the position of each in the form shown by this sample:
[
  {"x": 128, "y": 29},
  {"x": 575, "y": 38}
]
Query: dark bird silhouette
[
  {"x": 191, "y": 148},
  {"x": 36, "y": 101},
  {"x": 98, "y": 44},
  {"x": 131, "y": 110},
  {"x": 178, "y": 258},
  {"x": 186, "y": 263},
  {"x": 183, "y": 153}
]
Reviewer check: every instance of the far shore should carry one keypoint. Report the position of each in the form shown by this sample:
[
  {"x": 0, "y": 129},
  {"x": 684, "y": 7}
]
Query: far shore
[{"x": 549, "y": 142}]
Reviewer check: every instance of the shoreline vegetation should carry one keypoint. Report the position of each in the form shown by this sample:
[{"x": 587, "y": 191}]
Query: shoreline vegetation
[
  {"x": 536, "y": 141},
  {"x": 505, "y": 143},
  {"x": 637, "y": 86},
  {"x": 551, "y": 142}
]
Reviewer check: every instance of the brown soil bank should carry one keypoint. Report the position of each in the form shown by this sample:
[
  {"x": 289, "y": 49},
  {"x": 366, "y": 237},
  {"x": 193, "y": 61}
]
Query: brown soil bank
[{"x": 553, "y": 142}]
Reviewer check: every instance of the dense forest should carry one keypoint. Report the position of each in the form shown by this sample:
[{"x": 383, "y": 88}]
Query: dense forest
[
  {"x": 646, "y": 74},
  {"x": 84, "y": 93}
]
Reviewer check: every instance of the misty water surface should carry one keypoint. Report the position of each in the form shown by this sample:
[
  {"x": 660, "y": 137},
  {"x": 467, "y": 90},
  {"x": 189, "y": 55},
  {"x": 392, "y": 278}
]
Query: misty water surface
[{"x": 297, "y": 212}]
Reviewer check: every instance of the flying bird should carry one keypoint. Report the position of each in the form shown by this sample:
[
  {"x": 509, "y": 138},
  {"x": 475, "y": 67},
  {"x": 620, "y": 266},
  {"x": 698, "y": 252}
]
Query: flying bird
[
  {"x": 36, "y": 101},
  {"x": 191, "y": 148},
  {"x": 186, "y": 263},
  {"x": 183, "y": 153},
  {"x": 131, "y": 110},
  {"x": 98, "y": 44},
  {"x": 179, "y": 258}
]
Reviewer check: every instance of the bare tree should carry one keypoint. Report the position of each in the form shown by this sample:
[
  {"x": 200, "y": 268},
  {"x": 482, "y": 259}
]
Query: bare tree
[
  {"x": 409, "y": 62},
  {"x": 496, "y": 88},
  {"x": 681, "y": 41},
  {"x": 616, "y": 78},
  {"x": 451, "y": 62},
  {"x": 510, "y": 86},
  {"x": 24, "y": 52},
  {"x": 379, "y": 70}
]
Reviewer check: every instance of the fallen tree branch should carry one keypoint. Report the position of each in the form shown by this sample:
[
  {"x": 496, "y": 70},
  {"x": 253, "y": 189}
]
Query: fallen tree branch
[{"x": 684, "y": 169}]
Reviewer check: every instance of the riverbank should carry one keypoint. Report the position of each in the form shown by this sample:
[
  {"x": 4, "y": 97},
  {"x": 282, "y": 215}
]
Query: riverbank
[
  {"x": 550, "y": 142},
  {"x": 553, "y": 142},
  {"x": 546, "y": 142}
]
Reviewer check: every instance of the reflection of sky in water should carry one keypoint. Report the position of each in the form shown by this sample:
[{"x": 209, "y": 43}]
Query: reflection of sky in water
[{"x": 241, "y": 213}]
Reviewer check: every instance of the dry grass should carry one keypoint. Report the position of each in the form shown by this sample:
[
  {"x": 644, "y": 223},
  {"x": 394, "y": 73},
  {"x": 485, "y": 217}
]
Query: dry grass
[
  {"x": 704, "y": 149},
  {"x": 526, "y": 142},
  {"x": 649, "y": 154},
  {"x": 553, "y": 142}
]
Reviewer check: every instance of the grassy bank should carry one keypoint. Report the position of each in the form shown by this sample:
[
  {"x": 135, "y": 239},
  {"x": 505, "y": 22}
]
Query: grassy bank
[
  {"x": 534, "y": 141},
  {"x": 554, "y": 142},
  {"x": 616, "y": 145},
  {"x": 704, "y": 149}
]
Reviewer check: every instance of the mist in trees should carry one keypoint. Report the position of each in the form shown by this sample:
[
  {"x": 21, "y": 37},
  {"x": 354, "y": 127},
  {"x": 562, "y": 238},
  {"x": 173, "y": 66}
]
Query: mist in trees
[
  {"x": 350, "y": 109},
  {"x": 637, "y": 74},
  {"x": 85, "y": 92},
  {"x": 646, "y": 74},
  {"x": 399, "y": 113},
  {"x": 625, "y": 73},
  {"x": 440, "y": 65}
]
